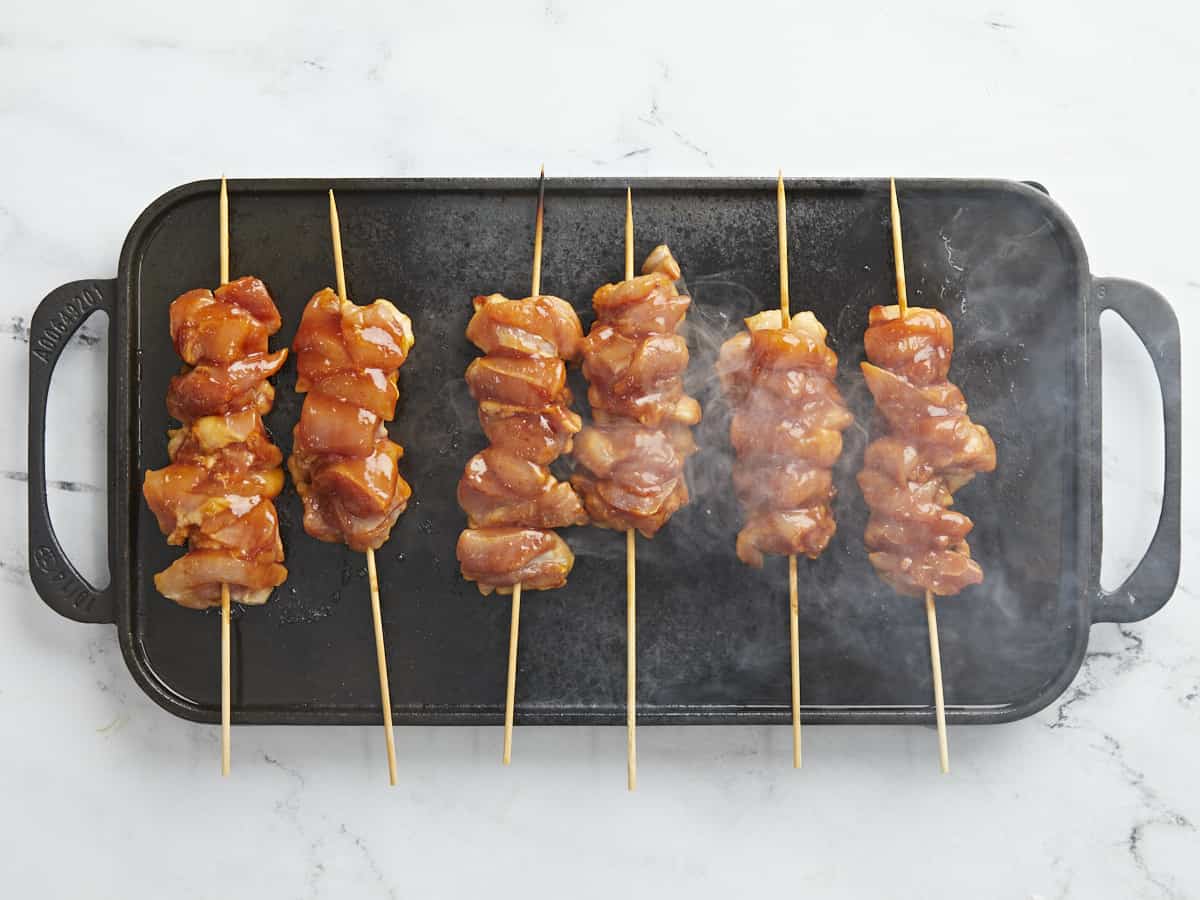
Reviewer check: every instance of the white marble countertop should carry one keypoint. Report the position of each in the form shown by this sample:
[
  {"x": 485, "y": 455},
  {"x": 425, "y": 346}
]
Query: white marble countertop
[{"x": 105, "y": 106}]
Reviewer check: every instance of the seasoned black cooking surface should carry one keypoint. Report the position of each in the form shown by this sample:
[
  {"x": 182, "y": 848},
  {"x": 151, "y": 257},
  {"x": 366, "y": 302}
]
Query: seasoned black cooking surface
[{"x": 1000, "y": 260}]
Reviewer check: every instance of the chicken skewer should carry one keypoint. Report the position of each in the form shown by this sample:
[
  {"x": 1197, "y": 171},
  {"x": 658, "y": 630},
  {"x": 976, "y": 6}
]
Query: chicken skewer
[
  {"x": 779, "y": 377},
  {"x": 510, "y": 687},
  {"x": 511, "y": 498},
  {"x": 917, "y": 543},
  {"x": 226, "y": 699},
  {"x": 935, "y": 653},
  {"x": 793, "y": 587},
  {"x": 343, "y": 463},
  {"x": 372, "y": 577},
  {"x": 217, "y": 493},
  {"x": 630, "y": 461},
  {"x": 630, "y": 579}
]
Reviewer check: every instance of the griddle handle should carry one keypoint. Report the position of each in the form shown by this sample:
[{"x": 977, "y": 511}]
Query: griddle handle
[
  {"x": 56, "y": 319},
  {"x": 1153, "y": 581}
]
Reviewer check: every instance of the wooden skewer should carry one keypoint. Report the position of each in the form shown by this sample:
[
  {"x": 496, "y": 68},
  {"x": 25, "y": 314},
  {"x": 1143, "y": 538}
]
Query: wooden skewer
[
  {"x": 794, "y": 630},
  {"x": 511, "y": 690},
  {"x": 935, "y": 653},
  {"x": 631, "y": 658},
  {"x": 381, "y": 662},
  {"x": 628, "y": 234},
  {"x": 935, "y": 656},
  {"x": 335, "y": 227},
  {"x": 372, "y": 578},
  {"x": 898, "y": 250},
  {"x": 781, "y": 222},
  {"x": 630, "y": 577},
  {"x": 514, "y": 630},
  {"x": 224, "y": 220},
  {"x": 793, "y": 588},
  {"x": 225, "y": 693},
  {"x": 536, "y": 280},
  {"x": 225, "y": 700}
]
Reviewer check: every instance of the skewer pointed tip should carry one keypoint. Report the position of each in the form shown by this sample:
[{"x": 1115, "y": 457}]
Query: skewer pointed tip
[
  {"x": 898, "y": 251},
  {"x": 781, "y": 225},
  {"x": 335, "y": 227},
  {"x": 538, "y": 225},
  {"x": 628, "y": 233},
  {"x": 542, "y": 173},
  {"x": 223, "y": 224}
]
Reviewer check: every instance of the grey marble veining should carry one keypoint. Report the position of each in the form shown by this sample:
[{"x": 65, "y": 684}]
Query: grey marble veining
[{"x": 104, "y": 108}]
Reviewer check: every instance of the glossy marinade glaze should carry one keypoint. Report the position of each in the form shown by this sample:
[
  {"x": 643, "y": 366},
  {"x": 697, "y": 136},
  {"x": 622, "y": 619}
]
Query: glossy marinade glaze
[
  {"x": 217, "y": 494},
  {"x": 631, "y": 460},
  {"x": 787, "y": 432},
  {"x": 344, "y": 465},
  {"x": 512, "y": 500},
  {"x": 916, "y": 542}
]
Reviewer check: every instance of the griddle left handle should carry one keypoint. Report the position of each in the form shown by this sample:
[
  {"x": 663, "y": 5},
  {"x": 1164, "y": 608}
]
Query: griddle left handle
[
  {"x": 1153, "y": 581},
  {"x": 56, "y": 319}
]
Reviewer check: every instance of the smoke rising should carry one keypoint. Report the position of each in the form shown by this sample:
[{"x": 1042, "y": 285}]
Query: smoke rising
[{"x": 1002, "y": 267}]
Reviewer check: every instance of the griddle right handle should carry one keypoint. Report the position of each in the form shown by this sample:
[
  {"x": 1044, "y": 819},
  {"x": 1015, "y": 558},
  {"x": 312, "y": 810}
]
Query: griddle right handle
[
  {"x": 1153, "y": 581},
  {"x": 56, "y": 319}
]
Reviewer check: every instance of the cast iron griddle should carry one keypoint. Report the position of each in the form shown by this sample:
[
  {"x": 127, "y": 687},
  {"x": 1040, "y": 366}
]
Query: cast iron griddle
[{"x": 1000, "y": 259}]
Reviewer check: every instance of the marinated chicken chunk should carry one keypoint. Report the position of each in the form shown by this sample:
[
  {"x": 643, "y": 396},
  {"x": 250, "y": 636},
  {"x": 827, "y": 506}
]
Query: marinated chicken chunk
[
  {"x": 353, "y": 500},
  {"x": 530, "y": 382},
  {"x": 183, "y": 496},
  {"x": 631, "y": 476},
  {"x": 225, "y": 325},
  {"x": 194, "y": 580},
  {"x": 538, "y": 435},
  {"x": 805, "y": 531},
  {"x": 336, "y": 337},
  {"x": 638, "y": 379},
  {"x": 498, "y": 488},
  {"x": 541, "y": 326},
  {"x": 213, "y": 388},
  {"x": 648, "y": 304},
  {"x": 916, "y": 346},
  {"x": 498, "y": 559}
]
